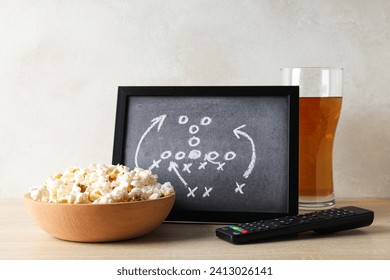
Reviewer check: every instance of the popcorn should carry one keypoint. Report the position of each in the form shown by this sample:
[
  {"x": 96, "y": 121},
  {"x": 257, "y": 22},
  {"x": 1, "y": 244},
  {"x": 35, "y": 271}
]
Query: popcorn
[
  {"x": 101, "y": 184},
  {"x": 39, "y": 193}
]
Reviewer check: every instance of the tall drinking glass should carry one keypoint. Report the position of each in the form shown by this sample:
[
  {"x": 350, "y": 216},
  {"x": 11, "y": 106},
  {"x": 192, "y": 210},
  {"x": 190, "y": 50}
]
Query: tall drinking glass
[{"x": 320, "y": 98}]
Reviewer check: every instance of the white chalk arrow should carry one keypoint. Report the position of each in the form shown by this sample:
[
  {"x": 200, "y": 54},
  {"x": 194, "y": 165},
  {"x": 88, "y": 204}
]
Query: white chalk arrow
[
  {"x": 156, "y": 121},
  {"x": 239, "y": 133},
  {"x": 173, "y": 166}
]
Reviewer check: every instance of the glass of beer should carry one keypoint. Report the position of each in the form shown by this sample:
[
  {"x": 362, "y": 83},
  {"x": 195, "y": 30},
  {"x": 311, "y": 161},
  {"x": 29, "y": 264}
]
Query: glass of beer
[{"x": 320, "y": 97}]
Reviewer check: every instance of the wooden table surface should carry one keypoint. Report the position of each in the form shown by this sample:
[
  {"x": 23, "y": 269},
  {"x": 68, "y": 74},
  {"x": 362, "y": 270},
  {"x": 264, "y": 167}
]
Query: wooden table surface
[{"x": 20, "y": 239}]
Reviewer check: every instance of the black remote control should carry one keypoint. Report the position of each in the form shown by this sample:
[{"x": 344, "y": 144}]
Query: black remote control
[{"x": 325, "y": 221}]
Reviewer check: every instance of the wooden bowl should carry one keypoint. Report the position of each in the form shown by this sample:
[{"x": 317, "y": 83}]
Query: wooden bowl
[{"x": 99, "y": 222}]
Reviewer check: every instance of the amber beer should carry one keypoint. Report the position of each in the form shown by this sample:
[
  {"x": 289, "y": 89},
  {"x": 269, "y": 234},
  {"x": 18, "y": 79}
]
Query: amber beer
[
  {"x": 320, "y": 96},
  {"x": 318, "y": 118}
]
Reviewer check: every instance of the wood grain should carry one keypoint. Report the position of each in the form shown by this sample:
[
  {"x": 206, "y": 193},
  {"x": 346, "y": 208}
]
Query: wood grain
[
  {"x": 99, "y": 222},
  {"x": 20, "y": 238}
]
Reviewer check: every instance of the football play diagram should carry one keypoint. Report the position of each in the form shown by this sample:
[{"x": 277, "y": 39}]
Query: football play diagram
[{"x": 184, "y": 162}]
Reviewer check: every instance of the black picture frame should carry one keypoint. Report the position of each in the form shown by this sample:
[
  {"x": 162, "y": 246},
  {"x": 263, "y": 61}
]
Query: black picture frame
[{"x": 125, "y": 93}]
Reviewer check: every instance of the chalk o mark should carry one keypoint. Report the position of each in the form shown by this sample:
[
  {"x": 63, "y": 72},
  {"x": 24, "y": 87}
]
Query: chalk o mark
[
  {"x": 212, "y": 155},
  {"x": 194, "y": 154},
  {"x": 238, "y": 132},
  {"x": 194, "y": 141},
  {"x": 230, "y": 155},
  {"x": 205, "y": 121},
  {"x": 166, "y": 154},
  {"x": 180, "y": 155},
  {"x": 193, "y": 129},
  {"x": 183, "y": 119}
]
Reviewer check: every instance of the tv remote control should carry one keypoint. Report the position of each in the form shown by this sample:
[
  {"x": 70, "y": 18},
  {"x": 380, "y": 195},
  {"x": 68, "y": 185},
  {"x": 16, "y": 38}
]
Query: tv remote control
[{"x": 325, "y": 221}]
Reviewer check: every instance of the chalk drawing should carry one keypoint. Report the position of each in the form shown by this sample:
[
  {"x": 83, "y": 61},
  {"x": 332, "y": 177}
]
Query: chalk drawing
[
  {"x": 194, "y": 129},
  {"x": 186, "y": 167},
  {"x": 166, "y": 155},
  {"x": 207, "y": 191},
  {"x": 156, "y": 121},
  {"x": 194, "y": 141},
  {"x": 183, "y": 119},
  {"x": 173, "y": 167},
  {"x": 155, "y": 164},
  {"x": 191, "y": 192},
  {"x": 180, "y": 155},
  {"x": 238, "y": 132},
  {"x": 205, "y": 121},
  {"x": 194, "y": 154},
  {"x": 202, "y": 165},
  {"x": 230, "y": 155},
  {"x": 239, "y": 188}
]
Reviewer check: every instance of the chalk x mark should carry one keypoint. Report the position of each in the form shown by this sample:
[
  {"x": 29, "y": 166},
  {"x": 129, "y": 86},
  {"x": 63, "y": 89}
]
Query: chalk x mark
[
  {"x": 191, "y": 192},
  {"x": 155, "y": 164},
  {"x": 220, "y": 166},
  {"x": 239, "y": 188},
  {"x": 207, "y": 191},
  {"x": 156, "y": 121},
  {"x": 194, "y": 141},
  {"x": 238, "y": 132},
  {"x": 186, "y": 167},
  {"x": 210, "y": 157},
  {"x": 202, "y": 165}
]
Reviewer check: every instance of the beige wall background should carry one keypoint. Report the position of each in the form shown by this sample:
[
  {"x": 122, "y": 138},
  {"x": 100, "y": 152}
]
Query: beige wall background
[{"x": 62, "y": 61}]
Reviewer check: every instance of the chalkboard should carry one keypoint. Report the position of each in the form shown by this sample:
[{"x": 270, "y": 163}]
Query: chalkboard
[{"x": 231, "y": 153}]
